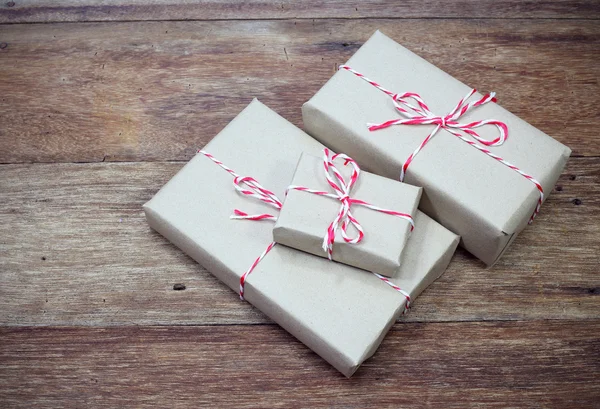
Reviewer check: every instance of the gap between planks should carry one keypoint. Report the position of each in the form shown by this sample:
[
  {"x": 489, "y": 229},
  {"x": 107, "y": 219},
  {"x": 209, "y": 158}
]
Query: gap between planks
[
  {"x": 172, "y": 10},
  {"x": 292, "y": 19}
]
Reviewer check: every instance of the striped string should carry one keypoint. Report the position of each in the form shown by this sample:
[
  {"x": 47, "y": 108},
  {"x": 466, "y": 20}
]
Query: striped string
[
  {"x": 250, "y": 187},
  {"x": 264, "y": 195},
  {"x": 400, "y": 290},
  {"x": 342, "y": 190},
  {"x": 418, "y": 113}
]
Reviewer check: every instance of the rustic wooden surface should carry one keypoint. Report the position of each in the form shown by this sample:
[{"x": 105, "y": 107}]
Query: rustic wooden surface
[
  {"x": 96, "y": 116},
  {"x": 156, "y": 90},
  {"x": 507, "y": 364}
]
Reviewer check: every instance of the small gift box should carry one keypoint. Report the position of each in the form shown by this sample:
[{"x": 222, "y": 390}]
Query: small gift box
[
  {"x": 334, "y": 210},
  {"x": 485, "y": 172},
  {"x": 340, "y": 312}
]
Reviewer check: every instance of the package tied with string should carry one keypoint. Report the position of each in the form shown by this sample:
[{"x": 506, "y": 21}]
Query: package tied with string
[
  {"x": 484, "y": 171},
  {"x": 341, "y": 312},
  {"x": 334, "y": 210}
]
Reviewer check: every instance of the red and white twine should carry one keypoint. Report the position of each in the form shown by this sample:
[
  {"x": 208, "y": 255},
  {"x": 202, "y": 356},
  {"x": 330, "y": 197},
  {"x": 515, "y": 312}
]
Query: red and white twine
[
  {"x": 250, "y": 187},
  {"x": 255, "y": 190},
  {"x": 395, "y": 287},
  {"x": 342, "y": 190},
  {"x": 420, "y": 114}
]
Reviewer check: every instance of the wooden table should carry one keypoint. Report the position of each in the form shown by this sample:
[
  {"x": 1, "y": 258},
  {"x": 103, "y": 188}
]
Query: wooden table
[{"x": 101, "y": 104}]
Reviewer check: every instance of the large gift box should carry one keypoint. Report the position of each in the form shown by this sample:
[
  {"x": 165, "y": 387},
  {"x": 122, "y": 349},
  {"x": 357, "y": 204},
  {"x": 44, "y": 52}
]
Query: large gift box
[
  {"x": 340, "y": 312},
  {"x": 484, "y": 171}
]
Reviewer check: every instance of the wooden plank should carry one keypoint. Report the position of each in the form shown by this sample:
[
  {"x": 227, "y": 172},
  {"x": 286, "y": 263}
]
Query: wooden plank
[
  {"x": 450, "y": 365},
  {"x": 158, "y": 90},
  {"x": 118, "y": 10},
  {"x": 75, "y": 249}
]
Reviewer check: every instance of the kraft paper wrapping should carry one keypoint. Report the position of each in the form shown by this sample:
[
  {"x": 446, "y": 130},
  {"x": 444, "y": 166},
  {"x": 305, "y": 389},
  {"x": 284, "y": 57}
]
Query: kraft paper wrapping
[
  {"x": 470, "y": 193},
  {"x": 342, "y": 313},
  {"x": 305, "y": 217}
]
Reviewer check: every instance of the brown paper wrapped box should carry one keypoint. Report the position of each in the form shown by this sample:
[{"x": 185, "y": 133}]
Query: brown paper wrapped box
[
  {"x": 467, "y": 191},
  {"x": 340, "y": 312},
  {"x": 305, "y": 217}
]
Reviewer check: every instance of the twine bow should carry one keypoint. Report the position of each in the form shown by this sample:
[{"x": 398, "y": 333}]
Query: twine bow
[
  {"x": 341, "y": 191},
  {"x": 249, "y": 186},
  {"x": 420, "y": 114}
]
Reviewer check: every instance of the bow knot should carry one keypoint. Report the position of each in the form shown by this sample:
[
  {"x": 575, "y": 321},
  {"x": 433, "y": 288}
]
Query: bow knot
[
  {"x": 342, "y": 189},
  {"x": 414, "y": 111},
  {"x": 420, "y": 114},
  {"x": 441, "y": 121},
  {"x": 249, "y": 186},
  {"x": 345, "y": 199}
]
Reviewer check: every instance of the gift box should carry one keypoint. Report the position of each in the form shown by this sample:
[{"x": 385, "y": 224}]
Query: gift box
[
  {"x": 484, "y": 171},
  {"x": 334, "y": 210},
  {"x": 341, "y": 312}
]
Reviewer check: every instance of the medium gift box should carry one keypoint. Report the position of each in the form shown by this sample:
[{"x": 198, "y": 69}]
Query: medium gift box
[
  {"x": 334, "y": 210},
  {"x": 485, "y": 172},
  {"x": 341, "y": 312}
]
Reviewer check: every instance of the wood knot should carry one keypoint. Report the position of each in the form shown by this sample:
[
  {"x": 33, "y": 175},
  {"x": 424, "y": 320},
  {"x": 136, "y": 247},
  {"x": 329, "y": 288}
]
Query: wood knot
[
  {"x": 179, "y": 287},
  {"x": 576, "y": 202}
]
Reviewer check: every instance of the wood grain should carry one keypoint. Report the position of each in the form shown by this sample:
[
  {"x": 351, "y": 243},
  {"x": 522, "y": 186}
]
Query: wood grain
[
  {"x": 89, "y": 311},
  {"x": 75, "y": 249},
  {"x": 115, "y": 10},
  {"x": 450, "y": 365},
  {"x": 149, "y": 91}
]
